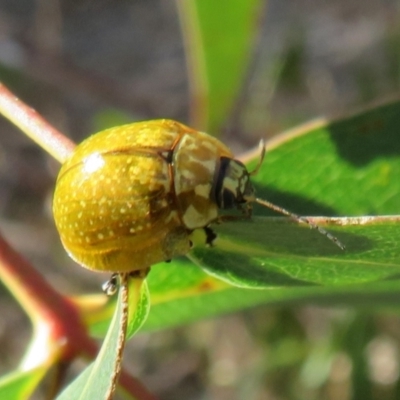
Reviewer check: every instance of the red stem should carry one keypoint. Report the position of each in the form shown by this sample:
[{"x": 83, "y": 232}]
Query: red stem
[
  {"x": 45, "y": 304},
  {"x": 34, "y": 125},
  {"x": 133, "y": 386}
]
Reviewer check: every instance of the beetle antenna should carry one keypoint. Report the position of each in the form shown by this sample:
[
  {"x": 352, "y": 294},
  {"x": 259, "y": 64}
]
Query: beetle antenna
[
  {"x": 261, "y": 158},
  {"x": 298, "y": 218},
  {"x": 283, "y": 211}
]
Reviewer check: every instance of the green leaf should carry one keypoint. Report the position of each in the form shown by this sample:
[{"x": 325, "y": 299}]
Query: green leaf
[
  {"x": 19, "y": 385},
  {"x": 139, "y": 305},
  {"x": 219, "y": 38},
  {"x": 347, "y": 167},
  {"x": 276, "y": 252},
  {"x": 95, "y": 381}
]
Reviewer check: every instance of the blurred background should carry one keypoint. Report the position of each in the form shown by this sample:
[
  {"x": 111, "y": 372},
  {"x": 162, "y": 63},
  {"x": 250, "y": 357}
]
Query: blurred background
[{"x": 89, "y": 64}]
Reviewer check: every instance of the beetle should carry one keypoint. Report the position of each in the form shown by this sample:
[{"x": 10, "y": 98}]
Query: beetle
[{"x": 130, "y": 196}]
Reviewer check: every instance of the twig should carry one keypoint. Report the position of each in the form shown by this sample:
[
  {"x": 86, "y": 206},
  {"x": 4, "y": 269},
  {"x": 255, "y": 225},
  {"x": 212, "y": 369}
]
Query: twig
[{"x": 34, "y": 126}]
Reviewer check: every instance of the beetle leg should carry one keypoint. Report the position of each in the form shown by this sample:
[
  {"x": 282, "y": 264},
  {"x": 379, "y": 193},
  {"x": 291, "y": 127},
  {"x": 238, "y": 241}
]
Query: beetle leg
[
  {"x": 140, "y": 273},
  {"x": 110, "y": 287},
  {"x": 210, "y": 236}
]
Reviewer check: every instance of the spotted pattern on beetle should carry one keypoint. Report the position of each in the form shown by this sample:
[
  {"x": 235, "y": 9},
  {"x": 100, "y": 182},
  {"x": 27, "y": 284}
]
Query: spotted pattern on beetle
[{"x": 130, "y": 196}]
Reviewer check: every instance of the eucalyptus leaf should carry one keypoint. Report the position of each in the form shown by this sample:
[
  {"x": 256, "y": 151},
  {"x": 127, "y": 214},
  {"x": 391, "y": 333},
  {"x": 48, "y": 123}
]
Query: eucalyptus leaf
[
  {"x": 96, "y": 380},
  {"x": 19, "y": 385}
]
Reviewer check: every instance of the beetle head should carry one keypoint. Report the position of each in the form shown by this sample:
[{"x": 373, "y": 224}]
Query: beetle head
[{"x": 233, "y": 186}]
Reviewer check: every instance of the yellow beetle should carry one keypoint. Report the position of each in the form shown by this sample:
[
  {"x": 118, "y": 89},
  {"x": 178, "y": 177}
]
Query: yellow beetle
[{"x": 130, "y": 196}]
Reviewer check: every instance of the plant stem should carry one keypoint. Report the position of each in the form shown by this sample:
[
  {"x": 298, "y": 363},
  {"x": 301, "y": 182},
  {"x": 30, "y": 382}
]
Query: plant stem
[
  {"x": 123, "y": 323},
  {"x": 44, "y": 305},
  {"x": 67, "y": 337},
  {"x": 34, "y": 126}
]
